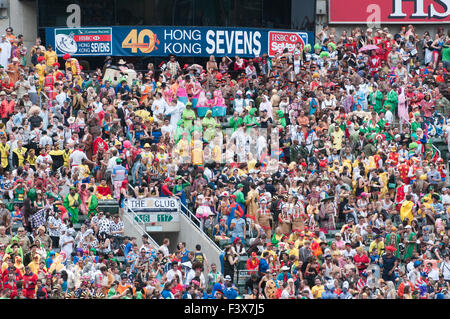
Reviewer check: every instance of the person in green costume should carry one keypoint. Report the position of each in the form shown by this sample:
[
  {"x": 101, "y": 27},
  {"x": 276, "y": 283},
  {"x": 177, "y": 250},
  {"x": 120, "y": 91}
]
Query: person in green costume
[
  {"x": 188, "y": 116},
  {"x": 393, "y": 239},
  {"x": 72, "y": 203},
  {"x": 240, "y": 199},
  {"x": 392, "y": 100},
  {"x": 281, "y": 119},
  {"x": 411, "y": 245},
  {"x": 180, "y": 130},
  {"x": 235, "y": 121},
  {"x": 209, "y": 125},
  {"x": 381, "y": 124},
  {"x": 19, "y": 192},
  {"x": 375, "y": 100},
  {"x": 416, "y": 123},
  {"x": 32, "y": 194},
  {"x": 250, "y": 119},
  {"x": 92, "y": 202},
  {"x": 10, "y": 250}
]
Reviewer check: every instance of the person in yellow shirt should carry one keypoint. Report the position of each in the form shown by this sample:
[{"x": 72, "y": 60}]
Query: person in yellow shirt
[
  {"x": 377, "y": 244},
  {"x": 337, "y": 136},
  {"x": 19, "y": 154},
  {"x": 40, "y": 69},
  {"x": 293, "y": 251},
  {"x": 318, "y": 289},
  {"x": 4, "y": 153},
  {"x": 73, "y": 67},
  {"x": 406, "y": 210},
  {"x": 50, "y": 56}
]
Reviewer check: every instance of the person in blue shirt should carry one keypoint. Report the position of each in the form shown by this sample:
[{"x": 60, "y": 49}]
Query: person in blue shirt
[
  {"x": 345, "y": 294},
  {"x": 238, "y": 228},
  {"x": 183, "y": 252},
  {"x": 230, "y": 292},
  {"x": 50, "y": 259},
  {"x": 218, "y": 286},
  {"x": 263, "y": 264},
  {"x": 166, "y": 293},
  {"x": 129, "y": 245},
  {"x": 123, "y": 88},
  {"x": 329, "y": 292},
  {"x": 284, "y": 275}
]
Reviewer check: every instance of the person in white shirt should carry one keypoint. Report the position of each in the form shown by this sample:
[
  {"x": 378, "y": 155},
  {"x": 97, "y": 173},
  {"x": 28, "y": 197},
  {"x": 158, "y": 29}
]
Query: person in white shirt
[
  {"x": 170, "y": 275},
  {"x": 98, "y": 105},
  {"x": 77, "y": 157},
  {"x": 167, "y": 128},
  {"x": 164, "y": 248},
  {"x": 66, "y": 241},
  {"x": 62, "y": 97},
  {"x": 5, "y": 51},
  {"x": 159, "y": 106},
  {"x": 189, "y": 272},
  {"x": 328, "y": 103},
  {"x": 266, "y": 105},
  {"x": 44, "y": 158},
  {"x": 45, "y": 140},
  {"x": 389, "y": 116}
]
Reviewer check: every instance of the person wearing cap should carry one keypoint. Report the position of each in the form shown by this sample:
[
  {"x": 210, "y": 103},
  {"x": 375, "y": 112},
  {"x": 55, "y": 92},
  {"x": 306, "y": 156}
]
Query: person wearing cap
[
  {"x": 253, "y": 262},
  {"x": 388, "y": 264},
  {"x": 238, "y": 227}
]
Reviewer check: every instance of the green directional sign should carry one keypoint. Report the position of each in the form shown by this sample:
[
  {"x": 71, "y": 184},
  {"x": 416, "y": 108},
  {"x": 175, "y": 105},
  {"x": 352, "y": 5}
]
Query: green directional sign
[
  {"x": 148, "y": 218},
  {"x": 164, "y": 217}
]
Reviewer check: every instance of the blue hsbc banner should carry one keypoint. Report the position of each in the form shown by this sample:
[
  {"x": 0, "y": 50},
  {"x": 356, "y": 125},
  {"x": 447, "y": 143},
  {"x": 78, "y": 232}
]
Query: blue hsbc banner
[{"x": 181, "y": 41}]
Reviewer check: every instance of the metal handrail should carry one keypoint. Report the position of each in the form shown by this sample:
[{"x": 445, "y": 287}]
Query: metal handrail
[
  {"x": 437, "y": 150},
  {"x": 194, "y": 220},
  {"x": 152, "y": 241},
  {"x": 40, "y": 99}
]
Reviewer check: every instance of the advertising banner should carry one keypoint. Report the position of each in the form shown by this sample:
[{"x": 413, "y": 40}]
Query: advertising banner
[
  {"x": 83, "y": 41},
  {"x": 389, "y": 11},
  {"x": 181, "y": 41}
]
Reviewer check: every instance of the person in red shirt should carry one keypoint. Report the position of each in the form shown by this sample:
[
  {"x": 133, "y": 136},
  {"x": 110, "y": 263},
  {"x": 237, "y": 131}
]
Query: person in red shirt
[
  {"x": 253, "y": 262},
  {"x": 10, "y": 283},
  {"x": 360, "y": 259},
  {"x": 29, "y": 283},
  {"x": 103, "y": 189},
  {"x": 57, "y": 73},
  {"x": 393, "y": 156},
  {"x": 98, "y": 143},
  {"x": 404, "y": 170},
  {"x": 165, "y": 188},
  {"x": 374, "y": 63},
  {"x": 49, "y": 82}
]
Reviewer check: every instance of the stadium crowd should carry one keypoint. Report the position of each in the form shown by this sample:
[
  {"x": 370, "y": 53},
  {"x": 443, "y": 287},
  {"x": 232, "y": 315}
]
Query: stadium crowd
[{"x": 316, "y": 164}]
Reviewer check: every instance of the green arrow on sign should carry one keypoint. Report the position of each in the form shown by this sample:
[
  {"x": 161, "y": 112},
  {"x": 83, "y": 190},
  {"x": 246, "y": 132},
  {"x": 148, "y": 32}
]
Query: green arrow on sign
[{"x": 164, "y": 217}]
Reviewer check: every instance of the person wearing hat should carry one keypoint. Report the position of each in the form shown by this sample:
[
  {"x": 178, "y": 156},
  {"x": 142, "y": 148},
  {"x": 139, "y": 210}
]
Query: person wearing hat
[
  {"x": 72, "y": 203},
  {"x": 284, "y": 275}
]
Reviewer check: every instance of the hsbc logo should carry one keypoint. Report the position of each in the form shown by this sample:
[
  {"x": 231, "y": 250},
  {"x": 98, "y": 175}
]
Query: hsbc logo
[{"x": 278, "y": 41}]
